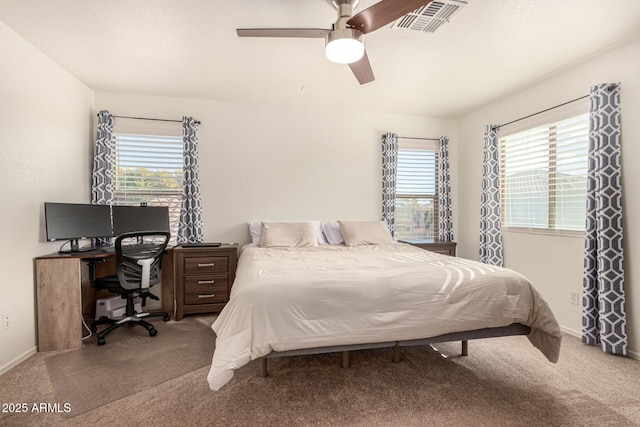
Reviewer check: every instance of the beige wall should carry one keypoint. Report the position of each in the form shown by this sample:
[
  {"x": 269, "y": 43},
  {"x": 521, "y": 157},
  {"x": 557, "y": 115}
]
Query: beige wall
[
  {"x": 272, "y": 162},
  {"x": 45, "y": 129},
  {"x": 553, "y": 263}
]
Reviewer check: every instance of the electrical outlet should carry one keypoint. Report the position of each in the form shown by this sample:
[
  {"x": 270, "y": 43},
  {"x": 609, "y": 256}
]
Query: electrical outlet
[
  {"x": 574, "y": 298},
  {"x": 6, "y": 321}
]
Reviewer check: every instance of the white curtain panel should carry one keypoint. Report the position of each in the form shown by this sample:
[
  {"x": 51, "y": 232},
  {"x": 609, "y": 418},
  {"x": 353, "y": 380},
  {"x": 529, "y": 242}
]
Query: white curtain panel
[
  {"x": 190, "y": 225},
  {"x": 389, "y": 175},
  {"x": 490, "y": 228},
  {"x": 603, "y": 305},
  {"x": 445, "y": 213}
]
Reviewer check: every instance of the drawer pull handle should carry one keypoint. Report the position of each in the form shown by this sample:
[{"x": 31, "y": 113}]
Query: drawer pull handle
[
  {"x": 206, "y": 282},
  {"x": 211, "y": 264},
  {"x": 206, "y": 295}
]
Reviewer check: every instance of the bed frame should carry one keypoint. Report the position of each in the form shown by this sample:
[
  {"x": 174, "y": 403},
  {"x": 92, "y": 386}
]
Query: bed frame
[{"x": 513, "y": 329}]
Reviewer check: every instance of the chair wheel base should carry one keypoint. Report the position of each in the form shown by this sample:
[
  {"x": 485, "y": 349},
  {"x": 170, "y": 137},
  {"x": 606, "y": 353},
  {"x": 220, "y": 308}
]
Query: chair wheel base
[
  {"x": 153, "y": 332},
  {"x": 166, "y": 318},
  {"x": 101, "y": 341}
]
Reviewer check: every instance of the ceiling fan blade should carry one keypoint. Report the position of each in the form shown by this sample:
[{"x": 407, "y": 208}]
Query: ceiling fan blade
[
  {"x": 362, "y": 70},
  {"x": 382, "y": 13},
  {"x": 312, "y": 33}
]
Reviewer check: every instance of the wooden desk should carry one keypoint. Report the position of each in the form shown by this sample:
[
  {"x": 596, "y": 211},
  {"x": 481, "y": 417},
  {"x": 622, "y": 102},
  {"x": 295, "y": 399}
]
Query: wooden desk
[{"x": 64, "y": 294}]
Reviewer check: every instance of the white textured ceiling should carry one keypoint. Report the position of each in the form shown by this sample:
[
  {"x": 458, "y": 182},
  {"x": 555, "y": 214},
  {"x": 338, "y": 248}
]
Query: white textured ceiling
[{"x": 189, "y": 48}]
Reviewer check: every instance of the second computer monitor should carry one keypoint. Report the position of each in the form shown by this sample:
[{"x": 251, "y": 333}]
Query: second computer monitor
[{"x": 128, "y": 219}]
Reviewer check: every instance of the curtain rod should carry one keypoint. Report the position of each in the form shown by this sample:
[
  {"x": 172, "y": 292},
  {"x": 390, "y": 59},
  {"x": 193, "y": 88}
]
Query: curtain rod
[
  {"x": 157, "y": 120},
  {"x": 540, "y": 112},
  {"x": 424, "y": 139}
]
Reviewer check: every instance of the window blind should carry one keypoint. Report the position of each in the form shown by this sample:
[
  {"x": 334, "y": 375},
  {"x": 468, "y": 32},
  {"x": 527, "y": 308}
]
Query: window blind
[
  {"x": 416, "y": 192},
  {"x": 148, "y": 169},
  {"x": 544, "y": 176}
]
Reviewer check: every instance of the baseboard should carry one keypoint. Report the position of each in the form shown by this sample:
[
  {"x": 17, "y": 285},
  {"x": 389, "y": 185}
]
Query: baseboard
[
  {"x": 15, "y": 362},
  {"x": 570, "y": 331},
  {"x": 631, "y": 354}
]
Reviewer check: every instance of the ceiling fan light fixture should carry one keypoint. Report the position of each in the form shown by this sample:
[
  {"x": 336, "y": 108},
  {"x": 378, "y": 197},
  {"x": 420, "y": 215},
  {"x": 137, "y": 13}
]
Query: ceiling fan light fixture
[{"x": 344, "y": 46}]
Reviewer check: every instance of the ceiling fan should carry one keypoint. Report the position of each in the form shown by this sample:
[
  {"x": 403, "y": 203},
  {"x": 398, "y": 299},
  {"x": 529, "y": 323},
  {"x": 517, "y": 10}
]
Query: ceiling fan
[{"x": 344, "y": 41}]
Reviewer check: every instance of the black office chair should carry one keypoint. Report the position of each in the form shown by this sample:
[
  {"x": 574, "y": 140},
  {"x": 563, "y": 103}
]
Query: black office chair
[{"x": 139, "y": 259}]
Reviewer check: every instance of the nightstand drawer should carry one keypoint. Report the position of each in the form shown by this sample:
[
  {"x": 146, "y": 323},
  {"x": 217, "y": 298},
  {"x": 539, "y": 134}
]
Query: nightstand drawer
[
  {"x": 443, "y": 251},
  {"x": 444, "y": 248},
  {"x": 205, "y": 289},
  {"x": 206, "y": 264}
]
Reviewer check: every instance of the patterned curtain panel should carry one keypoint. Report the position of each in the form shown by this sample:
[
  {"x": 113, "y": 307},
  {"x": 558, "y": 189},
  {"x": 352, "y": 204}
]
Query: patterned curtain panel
[
  {"x": 445, "y": 213},
  {"x": 389, "y": 174},
  {"x": 490, "y": 229},
  {"x": 603, "y": 305},
  {"x": 190, "y": 225},
  {"x": 102, "y": 179}
]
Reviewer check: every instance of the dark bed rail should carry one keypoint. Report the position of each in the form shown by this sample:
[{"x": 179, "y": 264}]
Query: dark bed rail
[{"x": 464, "y": 337}]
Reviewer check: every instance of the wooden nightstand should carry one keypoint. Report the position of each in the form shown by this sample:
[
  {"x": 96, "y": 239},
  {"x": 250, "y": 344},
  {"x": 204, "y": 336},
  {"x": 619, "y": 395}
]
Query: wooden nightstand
[
  {"x": 433, "y": 245},
  {"x": 203, "y": 278}
]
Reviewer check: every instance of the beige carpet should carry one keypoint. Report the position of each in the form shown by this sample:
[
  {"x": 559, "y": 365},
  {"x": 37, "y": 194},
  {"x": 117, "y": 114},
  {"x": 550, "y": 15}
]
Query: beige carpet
[
  {"x": 129, "y": 362},
  {"x": 503, "y": 382}
]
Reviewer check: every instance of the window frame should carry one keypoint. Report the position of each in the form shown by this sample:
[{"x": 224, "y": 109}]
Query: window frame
[
  {"x": 425, "y": 145},
  {"x": 173, "y": 197},
  {"x": 550, "y": 119}
]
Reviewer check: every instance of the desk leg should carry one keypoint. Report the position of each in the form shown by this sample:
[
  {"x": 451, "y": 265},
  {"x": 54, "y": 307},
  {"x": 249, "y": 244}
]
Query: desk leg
[{"x": 59, "y": 303}]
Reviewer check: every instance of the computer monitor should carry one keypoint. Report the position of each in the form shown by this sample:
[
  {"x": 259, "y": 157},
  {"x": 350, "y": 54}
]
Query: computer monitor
[
  {"x": 75, "y": 221},
  {"x": 128, "y": 219}
]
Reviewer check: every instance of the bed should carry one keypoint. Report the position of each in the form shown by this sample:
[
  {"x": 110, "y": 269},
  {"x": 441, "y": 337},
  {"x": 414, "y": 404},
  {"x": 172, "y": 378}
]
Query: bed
[{"x": 292, "y": 298}]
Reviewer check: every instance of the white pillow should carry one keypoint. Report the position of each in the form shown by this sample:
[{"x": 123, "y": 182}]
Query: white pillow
[
  {"x": 288, "y": 234},
  {"x": 255, "y": 231},
  {"x": 357, "y": 233},
  {"x": 332, "y": 234}
]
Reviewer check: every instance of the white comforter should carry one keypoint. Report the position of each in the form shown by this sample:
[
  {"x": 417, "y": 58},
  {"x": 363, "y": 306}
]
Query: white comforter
[{"x": 293, "y": 298}]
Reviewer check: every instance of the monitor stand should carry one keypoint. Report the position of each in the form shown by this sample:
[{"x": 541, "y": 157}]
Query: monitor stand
[{"x": 76, "y": 248}]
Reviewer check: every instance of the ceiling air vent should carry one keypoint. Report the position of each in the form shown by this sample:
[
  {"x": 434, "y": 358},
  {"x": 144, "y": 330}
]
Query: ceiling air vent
[{"x": 430, "y": 17}]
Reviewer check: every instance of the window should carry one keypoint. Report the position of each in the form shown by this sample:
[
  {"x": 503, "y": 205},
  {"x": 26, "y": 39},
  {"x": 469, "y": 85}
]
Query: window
[
  {"x": 544, "y": 176},
  {"x": 416, "y": 190},
  {"x": 148, "y": 169}
]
